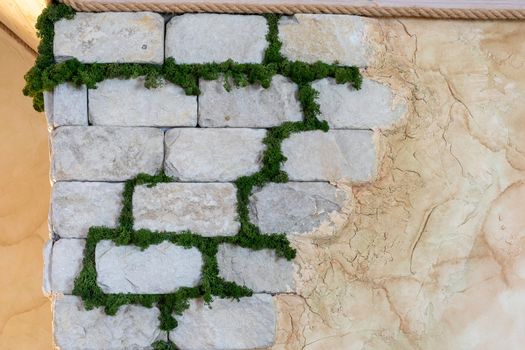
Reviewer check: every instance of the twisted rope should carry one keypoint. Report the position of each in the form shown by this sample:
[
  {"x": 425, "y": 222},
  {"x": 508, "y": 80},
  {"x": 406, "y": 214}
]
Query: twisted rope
[{"x": 370, "y": 11}]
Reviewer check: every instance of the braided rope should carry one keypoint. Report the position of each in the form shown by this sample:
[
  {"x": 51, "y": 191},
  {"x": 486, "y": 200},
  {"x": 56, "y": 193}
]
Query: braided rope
[{"x": 370, "y": 11}]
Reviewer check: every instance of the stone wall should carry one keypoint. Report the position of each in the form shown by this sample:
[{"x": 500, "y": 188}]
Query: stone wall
[{"x": 103, "y": 137}]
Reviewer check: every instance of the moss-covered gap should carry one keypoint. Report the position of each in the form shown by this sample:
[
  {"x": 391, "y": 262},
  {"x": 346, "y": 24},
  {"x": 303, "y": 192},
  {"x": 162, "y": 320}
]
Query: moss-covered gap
[{"x": 46, "y": 74}]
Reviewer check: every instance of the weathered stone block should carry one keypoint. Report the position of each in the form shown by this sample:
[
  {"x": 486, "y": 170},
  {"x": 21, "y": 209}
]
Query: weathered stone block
[
  {"x": 76, "y": 206},
  {"x": 294, "y": 207},
  {"x": 234, "y": 325},
  {"x": 204, "y": 208},
  {"x": 159, "y": 269},
  {"x": 46, "y": 275},
  {"x": 346, "y": 108},
  {"x": 128, "y": 103},
  {"x": 96, "y": 153},
  {"x": 110, "y": 37},
  {"x": 260, "y": 270},
  {"x": 66, "y": 264},
  {"x": 252, "y": 106},
  {"x": 338, "y": 39},
  {"x": 204, "y": 38},
  {"x": 337, "y": 155},
  {"x": 133, "y": 327},
  {"x": 66, "y": 105},
  {"x": 213, "y": 154}
]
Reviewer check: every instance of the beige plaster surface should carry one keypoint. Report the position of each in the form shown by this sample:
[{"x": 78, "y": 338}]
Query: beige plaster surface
[
  {"x": 433, "y": 255},
  {"x": 20, "y": 17},
  {"x": 25, "y": 314}
]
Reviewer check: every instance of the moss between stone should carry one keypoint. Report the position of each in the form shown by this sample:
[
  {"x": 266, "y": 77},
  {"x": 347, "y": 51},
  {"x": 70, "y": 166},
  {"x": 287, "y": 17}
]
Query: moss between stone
[{"x": 46, "y": 74}]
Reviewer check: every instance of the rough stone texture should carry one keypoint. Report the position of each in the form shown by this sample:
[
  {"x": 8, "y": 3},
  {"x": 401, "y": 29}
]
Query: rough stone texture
[
  {"x": 159, "y": 269},
  {"x": 370, "y": 107},
  {"x": 97, "y": 153},
  {"x": 76, "y": 206},
  {"x": 329, "y": 38},
  {"x": 260, "y": 270},
  {"x": 46, "y": 275},
  {"x": 128, "y": 103},
  {"x": 204, "y": 38},
  {"x": 337, "y": 155},
  {"x": 213, "y": 154},
  {"x": 66, "y": 105},
  {"x": 66, "y": 263},
  {"x": 206, "y": 209},
  {"x": 294, "y": 207},
  {"x": 110, "y": 37},
  {"x": 133, "y": 327},
  {"x": 227, "y": 324},
  {"x": 252, "y": 106}
]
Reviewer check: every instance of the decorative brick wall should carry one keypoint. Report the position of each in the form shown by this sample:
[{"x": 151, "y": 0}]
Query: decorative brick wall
[{"x": 102, "y": 138}]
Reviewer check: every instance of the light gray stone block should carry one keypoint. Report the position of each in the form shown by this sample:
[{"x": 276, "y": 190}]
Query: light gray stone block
[
  {"x": 133, "y": 327},
  {"x": 206, "y": 209},
  {"x": 46, "y": 275},
  {"x": 66, "y": 264},
  {"x": 336, "y": 155},
  {"x": 76, "y": 206},
  {"x": 229, "y": 324},
  {"x": 370, "y": 107},
  {"x": 252, "y": 106},
  {"x": 294, "y": 207},
  {"x": 96, "y": 153},
  {"x": 128, "y": 103},
  {"x": 260, "y": 270},
  {"x": 213, "y": 154},
  {"x": 110, "y": 37},
  {"x": 338, "y": 39},
  {"x": 66, "y": 105},
  {"x": 204, "y": 38},
  {"x": 161, "y": 268}
]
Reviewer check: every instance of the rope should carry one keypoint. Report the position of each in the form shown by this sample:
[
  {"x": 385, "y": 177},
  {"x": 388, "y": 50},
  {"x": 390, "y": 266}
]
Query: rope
[{"x": 370, "y": 11}]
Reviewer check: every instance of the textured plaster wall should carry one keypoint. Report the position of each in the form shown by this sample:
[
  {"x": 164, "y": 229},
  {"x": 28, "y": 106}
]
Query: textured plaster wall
[
  {"x": 433, "y": 255},
  {"x": 25, "y": 314}
]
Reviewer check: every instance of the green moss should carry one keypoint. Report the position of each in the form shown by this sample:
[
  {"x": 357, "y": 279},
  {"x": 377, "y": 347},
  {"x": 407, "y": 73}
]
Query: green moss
[{"x": 164, "y": 345}]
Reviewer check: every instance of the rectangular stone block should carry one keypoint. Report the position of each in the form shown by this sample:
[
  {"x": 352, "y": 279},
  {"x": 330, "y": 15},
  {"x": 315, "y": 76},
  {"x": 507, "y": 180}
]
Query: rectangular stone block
[
  {"x": 343, "y": 107},
  {"x": 66, "y": 264},
  {"x": 76, "y": 206},
  {"x": 295, "y": 207},
  {"x": 230, "y": 324},
  {"x": 213, "y": 154},
  {"x": 251, "y": 107},
  {"x": 75, "y": 328},
  {"x": 110, "y": 37},
  {"x": 340, "y": 39},
  {"x": 128, "y": 103},
  {"x": 205, "y": 38},
  {"x": 260, "y": 270},
  {"x": 96, "y": 153},
  {"x": 203, "y": 208},
  {"x": 66, "y": 105},
  {"x": 336, "y": 155},
  {"x": 158, "y": 269}
]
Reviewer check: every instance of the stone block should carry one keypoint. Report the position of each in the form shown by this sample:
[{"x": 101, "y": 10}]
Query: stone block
[
  {"x": 340, "y": 39},
  {"x": 120, "y": 102},
  {"x": 158, "y": 269},
  {"x": 133, "y": 327},
  {"x": 343, "y": 107},
  {"x": 294, "y": 207},
  {"x": 110, "y": 37},
  {"x": 76, "y": 206},
  {"x": 251, "y": 107},
  {"x": 336, "y": 155},
  {"x": 207, "y": 37},
  {"x": 230, "y": 324},
  {"x": 66, "y": 105},
  {"x": 260, "y": 270},
  {"x": 66, "y": 264},
  {"x": 213, "y": 154},
  {"x": 209, "y": 209},
  {"x": 96, "y": 153}
]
